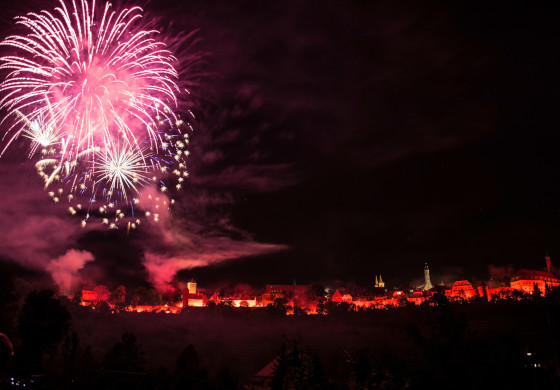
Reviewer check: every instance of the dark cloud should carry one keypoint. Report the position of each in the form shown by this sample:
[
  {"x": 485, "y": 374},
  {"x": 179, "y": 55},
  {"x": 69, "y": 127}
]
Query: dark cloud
[{"x": 251, "y": 178}]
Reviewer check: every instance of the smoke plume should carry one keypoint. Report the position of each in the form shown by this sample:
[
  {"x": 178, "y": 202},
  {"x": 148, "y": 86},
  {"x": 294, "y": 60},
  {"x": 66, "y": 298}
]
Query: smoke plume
[{"x": 64, "y": 269}]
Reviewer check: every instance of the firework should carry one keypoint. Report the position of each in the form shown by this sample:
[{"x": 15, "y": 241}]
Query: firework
[
  {"x": 96, "y": 93},
  {"x": 122, "y": 168}
]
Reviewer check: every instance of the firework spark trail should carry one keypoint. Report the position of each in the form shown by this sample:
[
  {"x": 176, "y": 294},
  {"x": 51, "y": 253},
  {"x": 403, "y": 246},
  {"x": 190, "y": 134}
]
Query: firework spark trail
[
  {"x": 96, "y": 92},
  {"x": 122, "y": 168}
]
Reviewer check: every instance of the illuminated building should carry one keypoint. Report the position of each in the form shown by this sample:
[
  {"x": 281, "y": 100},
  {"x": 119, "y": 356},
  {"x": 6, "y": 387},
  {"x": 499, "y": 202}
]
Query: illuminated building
[
  {"x": 215, "y": 298},
  {"x": 462, "y": 289},
  {"x": 244, "y": 301},
  {"x": 293, "y": 292},
  {"x": 525, "y": 280},
  {"x": 95, "y": 296},
  {"x": 341, "y": 297},
  {"x": 379, "y": 283},
  {"x": 88, "y": 296},
  {"x": 427, "y": 283},
  {"x": 192, "y": 298}
]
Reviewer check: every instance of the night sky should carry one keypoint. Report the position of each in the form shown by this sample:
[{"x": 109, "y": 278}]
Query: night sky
[{"x": 336, "y": 141}]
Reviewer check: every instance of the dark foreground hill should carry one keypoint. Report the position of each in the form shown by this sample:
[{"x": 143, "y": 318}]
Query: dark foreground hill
[{"x": 476, "y": 345}]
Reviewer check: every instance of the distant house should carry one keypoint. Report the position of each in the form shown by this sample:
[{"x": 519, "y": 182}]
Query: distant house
[
  {"x": 215, "y": 298},
  {"x": 342, "y": 296},
  {"x": 336, "y": 297},
  {"x": 262, "y": 380}
]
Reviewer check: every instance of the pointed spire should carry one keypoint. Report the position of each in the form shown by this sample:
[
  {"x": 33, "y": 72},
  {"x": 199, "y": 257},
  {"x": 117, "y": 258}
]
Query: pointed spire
[
  {"x": 427, "y": 283},
  {"x": 376, "y": 281}
]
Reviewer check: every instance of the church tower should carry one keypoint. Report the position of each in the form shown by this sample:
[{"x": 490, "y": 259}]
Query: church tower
[
  {"x": 381, "y": 282},
  {"x": 191, "y": 286},
  {"x": 376, "y": 281},
  {"x": 427, "y": 283}
]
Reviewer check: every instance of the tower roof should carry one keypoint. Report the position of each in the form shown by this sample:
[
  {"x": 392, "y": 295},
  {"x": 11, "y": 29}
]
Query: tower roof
[{"x": 526, "y": 274}]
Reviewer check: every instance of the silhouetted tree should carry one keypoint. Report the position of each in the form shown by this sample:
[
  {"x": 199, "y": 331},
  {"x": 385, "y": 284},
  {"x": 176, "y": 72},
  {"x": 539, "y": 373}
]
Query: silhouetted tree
[
  {"x": 297, "y": 369},
  {"x": 154, "y": 298},
  {"x": 8, "y": 303},
  {"x": 536, "y": 291},
  {"x": 404, "y": 302},
  {"x": 43, "y": 322},
  {"x": 298, "y": 311},
  {"x": 68, "y": 364},
  {"x": 71, "y": 352},
  {"x": 316, "y": 291},
  {"x": 279, "y": 307},
  {"x": 439, "y": 299},
  {"x": 225, "y": 380},
  {"x": 226, "y": 302},
  {"x": 337, "y": 309},
  {"x": 6, "y": 353},
  {"x": 102, "y": 307},
  {"x": 126, "y": 355},
  {"x": 139, "y": 296},
  {"x": 360, "y": 372},
  {"x": 280, "y": 370},
  {"x": 102, "y": 293},
  {"x": 119, "y": 296},
  {"x": 77, "y": 298},
  {"x": 190, "y": 374}
]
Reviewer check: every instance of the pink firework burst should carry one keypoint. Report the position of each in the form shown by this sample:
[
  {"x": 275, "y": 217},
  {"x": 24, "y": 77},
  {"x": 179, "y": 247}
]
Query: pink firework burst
[
  {"x": 86, "y": 81},
  {"x": 103, "y": 75}
]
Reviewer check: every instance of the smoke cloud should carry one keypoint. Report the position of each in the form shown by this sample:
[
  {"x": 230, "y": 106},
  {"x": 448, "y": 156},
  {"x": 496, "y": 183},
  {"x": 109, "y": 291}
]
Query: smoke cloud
[
  {"x": 500, "y": 275},
  {"x": 32, "y": 231},
  {"x": 162, "y": 268},
  {"x": 64, "y": 269}
]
